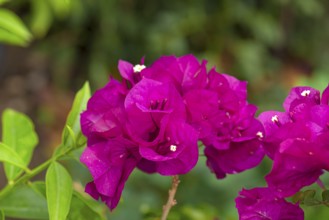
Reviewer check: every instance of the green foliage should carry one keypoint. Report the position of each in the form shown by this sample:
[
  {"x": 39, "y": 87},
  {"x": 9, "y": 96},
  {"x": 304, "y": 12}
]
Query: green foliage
[
  {"x": 41, "y": 18},
  {"x": 59, "y": 191},
  {"x": 55, "y": 198},
  {"x": 195, "y": 213},
  {"x": 61, "y": 7},
  {"x": 11, "y": 157},
  {"x": 3, "y": 1},
  {"x": 18, "y": 133},
  {"x": 84, "y": 208},
  {"x": 44, "y": 14},
  {"x": 12, "y": 29},
  {"x": 73, "y": 119},
  {"x": 24, "y": 202},
  {"x": 325, "y": 196},
  {"x": 72, "y": 136},
  {"x": 308, "y": 198}
]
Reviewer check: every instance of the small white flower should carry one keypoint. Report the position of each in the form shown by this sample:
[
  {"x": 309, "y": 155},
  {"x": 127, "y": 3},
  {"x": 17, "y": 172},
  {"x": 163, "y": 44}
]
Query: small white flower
[
  {"x": 275, "y": 119},
  {"x": 138, "y": 68},
  {"x": 173, "y": 148},
  {"x": 305, "y": 93},
  {"x": 259, "y": 134}
]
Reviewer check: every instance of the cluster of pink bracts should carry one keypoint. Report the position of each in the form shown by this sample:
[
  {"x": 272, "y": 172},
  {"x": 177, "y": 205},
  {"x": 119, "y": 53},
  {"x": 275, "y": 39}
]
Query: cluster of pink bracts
[{"x": 154, "y": 119}]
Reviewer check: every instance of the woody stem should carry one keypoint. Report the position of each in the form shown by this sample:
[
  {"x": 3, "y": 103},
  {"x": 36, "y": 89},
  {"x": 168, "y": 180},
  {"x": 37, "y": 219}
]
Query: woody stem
[{"x": 171, "y": 199}]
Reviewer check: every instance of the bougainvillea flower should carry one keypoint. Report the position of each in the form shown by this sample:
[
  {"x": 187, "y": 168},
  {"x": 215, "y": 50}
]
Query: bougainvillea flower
[
  {"x": 239, "y": 148},
  {"x": 239, "y": 157},
  {"x": 185, "y": 73},
  {"x": 305, "y": 118},
  {"x": 232, "y": 92},
  {"x": 148, "y": 106},
  {"x": 202, "y": 111},
  {"x": 175, "y": 153},
  {"x": 325, "y": 96},
  {"x": 155, "y": 117},
  {"x": 279, "y": 127},
  {"x": 105, "y": 114},
  {"x": 298, "y": 163},
  {"x": 226, "y": 123},
  {"x": 110, "y": 164},
  {"x": 262, "y": 203},
  {"x": 301, "y": 95},
  {"x": 131, "y": 74}
]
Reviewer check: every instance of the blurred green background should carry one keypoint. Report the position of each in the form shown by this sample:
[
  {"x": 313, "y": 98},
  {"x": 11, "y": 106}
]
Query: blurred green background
[{"x": 274, "y": 45}]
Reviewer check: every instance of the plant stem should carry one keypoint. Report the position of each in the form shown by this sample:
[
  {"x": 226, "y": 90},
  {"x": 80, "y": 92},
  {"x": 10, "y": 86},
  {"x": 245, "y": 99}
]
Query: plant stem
[
  {"x": 171, "y": 199},
  {"x": 28, "y": 175},
  {"x": 25, "y": 177}
]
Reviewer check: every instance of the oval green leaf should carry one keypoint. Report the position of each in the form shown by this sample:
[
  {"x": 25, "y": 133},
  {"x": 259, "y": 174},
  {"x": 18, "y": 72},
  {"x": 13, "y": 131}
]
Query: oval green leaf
[
  {"x": 10, "y": 38},
  {"x": 58, "y": 191},
  {"x": 9, "y": 156},
  {"x": 18, "y": 133},
  {"x": 24, "y": 202},
  {"x": 73, "y": 120},
  {"x": 13, "y": 24},
  {"x": 83, "y": 208},
  {"x": 41, "y": 18}
]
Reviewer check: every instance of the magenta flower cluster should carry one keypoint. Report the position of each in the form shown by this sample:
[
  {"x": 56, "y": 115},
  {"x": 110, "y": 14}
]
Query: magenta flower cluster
[
  {"x": 297, "y": 140},
  {"x": 154, "y": 119}
]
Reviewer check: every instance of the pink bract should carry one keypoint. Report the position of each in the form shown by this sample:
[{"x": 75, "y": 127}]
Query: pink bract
[{"x": 154, "y": 118}]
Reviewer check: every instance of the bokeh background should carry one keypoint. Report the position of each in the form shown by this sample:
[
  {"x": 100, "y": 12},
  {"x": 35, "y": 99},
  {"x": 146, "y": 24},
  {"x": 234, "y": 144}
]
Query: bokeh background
[{"x": 274, "y": 45}]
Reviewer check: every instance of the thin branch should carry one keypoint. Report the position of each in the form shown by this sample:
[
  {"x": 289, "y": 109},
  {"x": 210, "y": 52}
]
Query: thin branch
[
  {"x": 171, "y": 199},
  {"x": 28, "y": 175}
]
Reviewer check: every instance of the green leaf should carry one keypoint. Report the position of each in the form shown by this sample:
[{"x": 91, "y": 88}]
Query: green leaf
[
  {"x": 58, "y": 191},
  {"x": 71, "y": 135},
  {"x": 7, "y": 155},
  {"x": 309, "y": 198},
  {"x": 24, "y": 202},
  {"x": 2, "y": 215},
  {"x": 325, "y": 196},
  {"x": 10, "y": 38},
  {"x": 18, "y": 133},
  {"x": 83, "y": 208},
  {"x": 61, "y": 7},
  {"x": 41, "y": 17},
  {"x": 298, "y": 197},
  {"x": 3, "y": 1},
  {"x": 73, "y": 120},
  {"x": 12, "y": 23},
  {"x": 82, "y": 205},
  {"x": 39, "y": 187}
]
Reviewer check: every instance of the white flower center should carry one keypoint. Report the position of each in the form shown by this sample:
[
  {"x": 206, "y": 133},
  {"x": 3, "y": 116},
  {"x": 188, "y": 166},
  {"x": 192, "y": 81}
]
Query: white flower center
[
  {"x": 259, "y": 134},
  {"x": 305, "y": 93},
  {"x": 173, "y": 148},
  {"x": 275, "y": 119},
  {"x": 138, "y": 68}
]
